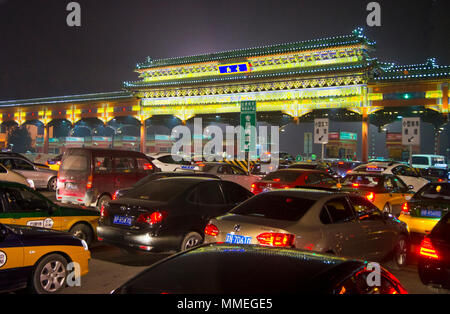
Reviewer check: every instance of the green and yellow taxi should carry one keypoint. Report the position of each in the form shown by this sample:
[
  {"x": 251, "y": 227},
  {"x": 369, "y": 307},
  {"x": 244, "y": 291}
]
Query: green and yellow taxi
[
  {"x": 424, "y": 210},
  {"x": 42, "y": 260},
  {"x": 20, "y": 205}
]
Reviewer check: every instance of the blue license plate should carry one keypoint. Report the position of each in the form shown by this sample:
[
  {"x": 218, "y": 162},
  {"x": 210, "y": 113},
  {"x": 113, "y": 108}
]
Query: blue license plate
[
  {"x": 122, "y": 220},
  {"x": 238, "y": 239},
  {"x": 431, "y": 213}
]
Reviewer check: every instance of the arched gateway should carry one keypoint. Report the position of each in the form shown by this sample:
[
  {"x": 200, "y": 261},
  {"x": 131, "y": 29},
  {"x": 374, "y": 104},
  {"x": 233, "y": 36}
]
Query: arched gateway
[{"x": 334, "y": 77}]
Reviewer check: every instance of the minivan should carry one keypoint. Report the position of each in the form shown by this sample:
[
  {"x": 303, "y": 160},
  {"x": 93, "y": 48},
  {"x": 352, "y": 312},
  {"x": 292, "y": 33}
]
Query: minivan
[
  {"x": 429, "y": 161},
  {"x": 90, "y": 176}
]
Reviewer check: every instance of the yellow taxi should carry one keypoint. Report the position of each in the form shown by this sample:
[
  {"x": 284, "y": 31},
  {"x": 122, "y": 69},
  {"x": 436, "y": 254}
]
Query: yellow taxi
[
  {"x": 386, "y": 191},
  {"x": 424, "y": 210},
  {"x": 21, "y": 205},
  {"x": 44, "y": 261},
  {"x": 54, "y": 163}
]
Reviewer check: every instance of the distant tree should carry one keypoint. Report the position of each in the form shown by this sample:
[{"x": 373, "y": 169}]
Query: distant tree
[{"x": 20, "y": 139}]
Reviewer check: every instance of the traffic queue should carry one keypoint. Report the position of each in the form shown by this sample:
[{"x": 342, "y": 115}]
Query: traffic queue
[{"x": 319, "y": 220}]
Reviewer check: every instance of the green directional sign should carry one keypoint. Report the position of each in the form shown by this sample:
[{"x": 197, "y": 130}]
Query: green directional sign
[{"x": 248, "y": 123}]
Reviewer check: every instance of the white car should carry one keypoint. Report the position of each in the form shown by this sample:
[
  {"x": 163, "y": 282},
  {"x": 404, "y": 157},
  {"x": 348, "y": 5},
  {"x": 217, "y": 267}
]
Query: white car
[
  {"x": 166, "y": 162},
  {"x": 410, "y": 176},
  {"x": 228, "y": 172},
  {"x": 12, "y": 176}
]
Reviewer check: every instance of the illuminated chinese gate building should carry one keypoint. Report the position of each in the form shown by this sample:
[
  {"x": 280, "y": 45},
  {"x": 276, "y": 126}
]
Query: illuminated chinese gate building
[{"x": 292, "y": 84}]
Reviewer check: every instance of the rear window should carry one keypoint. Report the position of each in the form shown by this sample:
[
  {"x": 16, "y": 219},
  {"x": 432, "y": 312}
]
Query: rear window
[
  {"x": 159, "y": 190},
  {"x": 362, "y": 181},
  {"x": 435, "y": 191},
  {"x": 442, "y": 229},
  {"x": 438, "y": 161},
  {"x": 75, "y": 163},
  {"x": 278, "y": 207},
  {"x": 302, "y": 166},
  {"x": 283, "y": 176},
  {"x": 419, "y": 160}
]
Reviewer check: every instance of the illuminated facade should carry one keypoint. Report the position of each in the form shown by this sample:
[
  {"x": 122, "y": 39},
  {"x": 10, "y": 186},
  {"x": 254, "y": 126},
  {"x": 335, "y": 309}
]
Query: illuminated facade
[{"x": 301, "y": 80}]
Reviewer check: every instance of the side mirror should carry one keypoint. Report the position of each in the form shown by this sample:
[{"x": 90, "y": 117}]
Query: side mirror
[{"x": 3, "y": 232}]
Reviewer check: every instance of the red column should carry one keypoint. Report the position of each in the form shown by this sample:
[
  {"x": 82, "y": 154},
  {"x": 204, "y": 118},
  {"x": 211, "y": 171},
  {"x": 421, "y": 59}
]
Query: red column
[
  {"x": 365, "y": 135},
  {"x": 46, "y": 135},
  {"x": 143, "y": 135}
]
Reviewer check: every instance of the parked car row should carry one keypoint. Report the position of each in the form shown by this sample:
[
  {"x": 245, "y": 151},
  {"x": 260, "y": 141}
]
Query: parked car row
[{"x": 301, "y": 217}]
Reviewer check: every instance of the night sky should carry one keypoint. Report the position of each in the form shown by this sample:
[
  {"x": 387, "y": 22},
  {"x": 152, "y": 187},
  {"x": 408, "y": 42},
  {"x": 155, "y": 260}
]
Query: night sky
[{"x": 41, "y": 56}]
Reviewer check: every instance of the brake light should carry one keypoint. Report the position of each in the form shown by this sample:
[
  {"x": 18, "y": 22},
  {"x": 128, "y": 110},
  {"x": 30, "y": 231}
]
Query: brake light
[
  {"x": 211, "y": 230},
  {"x": 153, "y": 218},
  {"x": 427, "y": 249},
  {"x": 276, "y": 180},
  {"x": 114, "y": 196},
  {"x": 89, "y": 183},
  {"x": 405, "y": 209},
  {"x": 58, "y": 163},
  {"x": 254, "y": 189},
  {"x": 370, "y": 196},
  {"x": 276, "y": 239},
  {"x": 148, "y": 166},
  {"x": 355, "y": 185}
]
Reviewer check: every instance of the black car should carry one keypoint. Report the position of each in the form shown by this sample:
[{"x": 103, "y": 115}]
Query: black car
[
  {"x": 168, "y": 214},
  {"x": 435, "y": 174},
  {"x": 434, "y": 256},
  {"x": 248, "y": 269},
  {"x": 160, "y": 175},
  {"x": 341, "y": 168}
]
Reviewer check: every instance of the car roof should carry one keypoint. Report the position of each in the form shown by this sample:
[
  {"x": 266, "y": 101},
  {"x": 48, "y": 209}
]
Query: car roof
[
  {"x": 309, "y": 193},
  {"x": 189, "y": 179},
  {"x": 372, "y": 174},
  {"x": 299, "y": 170}
]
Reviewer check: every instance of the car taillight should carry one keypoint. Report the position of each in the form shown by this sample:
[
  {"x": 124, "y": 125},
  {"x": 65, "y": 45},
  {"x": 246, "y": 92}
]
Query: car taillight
[
  {"x": 370, "y": 196},
  {"x": 405, "y": 209},
  {"x": 211, "y": 230},
  {"x": 254, "y": 188},
  {"x": 89, "y": 183},
  {"x": 427, "y": 249},
  {"x": 276, "y": 239},
  {"x": 152, "y": 218},
  {"x": 103, "y": 211},
  {"x": 114, "y": 196},
  {"x": 148, "y": 166}
]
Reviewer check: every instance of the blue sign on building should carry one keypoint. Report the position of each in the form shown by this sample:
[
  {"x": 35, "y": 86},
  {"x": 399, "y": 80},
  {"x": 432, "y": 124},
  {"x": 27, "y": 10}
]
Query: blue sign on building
[{"x": 234, "y": 68}]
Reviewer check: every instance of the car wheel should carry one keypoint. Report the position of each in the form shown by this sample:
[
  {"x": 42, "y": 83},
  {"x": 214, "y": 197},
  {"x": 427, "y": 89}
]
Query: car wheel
[
  {"x": 52, "y": 184},
  {"x": 82, "y": 232},
  {"x": 50, "y": 274},
  {"x": 400, "y": 253},
  {"x": 102, "y": 200},
  {"x": 192, "y": 239},
  {"x": 387, "y": 208}
]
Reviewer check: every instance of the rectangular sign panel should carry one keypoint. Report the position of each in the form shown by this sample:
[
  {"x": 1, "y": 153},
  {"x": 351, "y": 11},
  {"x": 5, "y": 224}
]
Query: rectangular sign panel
[
  {"x": 411, "y": 131},
  {"x": 321, "y": 131},
  {"x": 234, "y": 68},
  {"x": 248, "y": 123}
]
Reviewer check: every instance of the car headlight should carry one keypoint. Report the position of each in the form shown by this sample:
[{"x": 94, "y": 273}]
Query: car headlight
[
  {"x": 31, "y": 183},
  {"x": 86, "y": 248}
]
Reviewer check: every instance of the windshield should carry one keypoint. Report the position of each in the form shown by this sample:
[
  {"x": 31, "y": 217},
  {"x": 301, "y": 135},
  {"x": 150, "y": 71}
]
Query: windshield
[
  {"x": 278, "y": 207},
  {"x": 283, "y": 176},
  {"x": 75, "y": 163},
  {"x": 435, "y": 191},
  {"x": 159, "y": 190},
  {"x": 362, "y": 181}
]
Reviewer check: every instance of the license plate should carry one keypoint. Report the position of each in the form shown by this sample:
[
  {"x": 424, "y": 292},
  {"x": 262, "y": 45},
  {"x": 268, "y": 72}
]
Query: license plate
[
  {"x": 122, "y": 220},
  {"x": 431, "y": 213},
  {"x": 238, "y": 239},
  {"x": 71, "y": 186}
]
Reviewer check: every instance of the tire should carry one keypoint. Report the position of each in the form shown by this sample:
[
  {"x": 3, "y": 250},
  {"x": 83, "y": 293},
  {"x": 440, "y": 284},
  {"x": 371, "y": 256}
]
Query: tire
[
  {"x": 52, "y": 184},
  {"x": 400, "y": 253},
  {"x": 83, "y": 232},
  {"x": 101, "y": 200},
  {"x": 192, "y": 239},
  {"x": 50, "y": 274}
]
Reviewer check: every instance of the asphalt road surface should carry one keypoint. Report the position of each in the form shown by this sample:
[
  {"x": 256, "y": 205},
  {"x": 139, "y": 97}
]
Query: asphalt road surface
[{"x": 110, "y": 267}]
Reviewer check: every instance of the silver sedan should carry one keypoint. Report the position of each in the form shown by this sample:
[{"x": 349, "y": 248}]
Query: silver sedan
[
  {"x": 336, "y": 223},
  {"x": 42, "y": 178}
]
